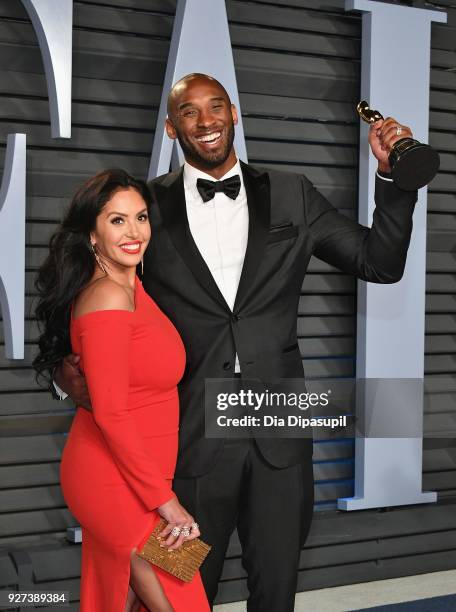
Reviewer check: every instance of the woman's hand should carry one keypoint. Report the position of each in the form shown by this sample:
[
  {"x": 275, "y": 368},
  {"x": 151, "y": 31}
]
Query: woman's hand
[{"x": 179, "y": 519}]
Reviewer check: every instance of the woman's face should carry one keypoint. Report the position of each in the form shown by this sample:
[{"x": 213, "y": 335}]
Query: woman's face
[{"x": 122, "y": 230}]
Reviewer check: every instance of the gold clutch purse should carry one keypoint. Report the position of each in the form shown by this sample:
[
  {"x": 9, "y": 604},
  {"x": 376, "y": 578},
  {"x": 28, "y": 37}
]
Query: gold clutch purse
[{"x": 183, "y": 562}]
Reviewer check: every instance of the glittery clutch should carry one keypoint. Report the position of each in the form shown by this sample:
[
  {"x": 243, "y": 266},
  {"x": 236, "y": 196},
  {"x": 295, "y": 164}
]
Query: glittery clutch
[{"x": 183, "y": 562}]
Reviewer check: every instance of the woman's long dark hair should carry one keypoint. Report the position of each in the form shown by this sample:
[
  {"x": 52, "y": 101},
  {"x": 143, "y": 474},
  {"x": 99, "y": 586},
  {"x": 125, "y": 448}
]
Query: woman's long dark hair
[{"x": 71, "y": 264}]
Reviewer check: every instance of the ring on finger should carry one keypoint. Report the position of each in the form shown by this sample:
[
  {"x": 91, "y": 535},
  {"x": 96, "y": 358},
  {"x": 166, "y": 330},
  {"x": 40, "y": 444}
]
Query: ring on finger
[
  {"x": 194, "y": 526},
  {"x": 398, "y": 130},
  {"x": 176, "y": 531},
  {"x": 185, "y": 531}
]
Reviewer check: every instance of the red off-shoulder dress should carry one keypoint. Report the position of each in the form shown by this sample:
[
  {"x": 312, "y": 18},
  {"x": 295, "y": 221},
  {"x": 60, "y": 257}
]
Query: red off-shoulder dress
[{"x": 119, "y": 460}]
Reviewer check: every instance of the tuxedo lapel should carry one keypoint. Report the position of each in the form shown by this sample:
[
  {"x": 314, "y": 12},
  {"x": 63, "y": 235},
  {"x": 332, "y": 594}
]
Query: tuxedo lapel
[
  {"x": 171, "y": 200},
  {"x": 259, "y": 204}
]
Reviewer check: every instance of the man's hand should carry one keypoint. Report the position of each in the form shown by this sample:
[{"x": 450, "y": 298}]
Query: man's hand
[
  {"x": 382, "y": 136},
  {"x": 69, "y": 378}
]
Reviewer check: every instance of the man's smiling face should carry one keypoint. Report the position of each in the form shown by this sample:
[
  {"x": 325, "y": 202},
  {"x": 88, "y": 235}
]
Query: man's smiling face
[{"x": 202, "y": 118}]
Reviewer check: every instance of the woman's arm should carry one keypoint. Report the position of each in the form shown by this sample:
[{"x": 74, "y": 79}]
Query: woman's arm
[{"x": 106, "y": 352}]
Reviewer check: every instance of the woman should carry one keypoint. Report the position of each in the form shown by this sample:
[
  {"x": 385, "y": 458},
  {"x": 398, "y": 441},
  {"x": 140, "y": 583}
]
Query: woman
[{"x": 119, "y": 459}]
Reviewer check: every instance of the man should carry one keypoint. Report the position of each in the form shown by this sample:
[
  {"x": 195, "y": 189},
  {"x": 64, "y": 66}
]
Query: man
[{"x": 226, "y": 263}]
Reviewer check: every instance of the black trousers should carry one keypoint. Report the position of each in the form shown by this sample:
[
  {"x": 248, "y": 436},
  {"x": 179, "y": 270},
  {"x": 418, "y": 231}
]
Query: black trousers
[{"x": 272, "y": 510}]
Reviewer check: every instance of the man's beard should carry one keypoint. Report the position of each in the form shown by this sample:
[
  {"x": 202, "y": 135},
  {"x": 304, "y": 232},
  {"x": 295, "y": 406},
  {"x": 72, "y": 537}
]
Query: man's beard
[{"x": 209, "y": 160}]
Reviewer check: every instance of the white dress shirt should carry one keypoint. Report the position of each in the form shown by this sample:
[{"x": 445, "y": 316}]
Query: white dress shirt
[{"x": 219, "y": 228}]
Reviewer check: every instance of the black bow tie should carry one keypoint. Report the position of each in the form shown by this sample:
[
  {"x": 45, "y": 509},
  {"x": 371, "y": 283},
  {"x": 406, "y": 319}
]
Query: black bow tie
[{"x": 230, "y": 187}]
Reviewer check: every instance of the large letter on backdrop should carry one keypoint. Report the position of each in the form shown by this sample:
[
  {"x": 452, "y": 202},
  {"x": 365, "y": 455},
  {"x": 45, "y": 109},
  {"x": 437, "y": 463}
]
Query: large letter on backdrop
[
  {"x": 209, "y": 53},
  {"x": 12, "y": 246},
  {"x": 390, "y": 342},
  {"x": 53, "y": 24}
]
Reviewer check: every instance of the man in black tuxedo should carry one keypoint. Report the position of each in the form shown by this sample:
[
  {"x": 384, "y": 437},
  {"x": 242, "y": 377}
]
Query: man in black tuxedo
[{"x": 226, "y": 263}]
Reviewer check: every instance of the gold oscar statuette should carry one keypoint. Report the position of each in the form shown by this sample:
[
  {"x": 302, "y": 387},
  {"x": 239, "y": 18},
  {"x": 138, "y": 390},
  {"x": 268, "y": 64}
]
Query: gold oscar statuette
[{"x": 413, "y": 164}]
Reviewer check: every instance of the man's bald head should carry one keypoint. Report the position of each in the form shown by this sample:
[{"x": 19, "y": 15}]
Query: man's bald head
[
  {"x": 202, "y": 118},
  {"x": 182, "y": 85}
]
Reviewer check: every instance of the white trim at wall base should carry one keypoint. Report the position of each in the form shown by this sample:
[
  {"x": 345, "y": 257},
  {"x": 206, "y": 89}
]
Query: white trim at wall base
[{"x": 369, "y": 594}]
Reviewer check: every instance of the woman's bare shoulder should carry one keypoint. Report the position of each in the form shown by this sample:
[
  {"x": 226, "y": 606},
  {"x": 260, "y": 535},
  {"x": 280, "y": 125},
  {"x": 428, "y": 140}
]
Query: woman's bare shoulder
[{"x": 102, "y": 294}]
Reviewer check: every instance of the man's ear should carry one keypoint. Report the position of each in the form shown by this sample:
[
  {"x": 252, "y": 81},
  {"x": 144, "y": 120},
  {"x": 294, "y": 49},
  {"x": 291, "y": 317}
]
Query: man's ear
[
  {"x": 234, "y": 114},
  {"x": 170, "y": 129}
]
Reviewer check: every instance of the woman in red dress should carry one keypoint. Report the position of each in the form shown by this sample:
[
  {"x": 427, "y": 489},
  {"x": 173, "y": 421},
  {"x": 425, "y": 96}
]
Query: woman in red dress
[{"x": 119, "y": 459}]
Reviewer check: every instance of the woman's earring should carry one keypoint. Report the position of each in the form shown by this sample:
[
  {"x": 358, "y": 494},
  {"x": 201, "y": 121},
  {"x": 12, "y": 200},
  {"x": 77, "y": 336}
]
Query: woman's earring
[
  {"x": 97, "y": 258},
  {"x": 142, "y": 267}
]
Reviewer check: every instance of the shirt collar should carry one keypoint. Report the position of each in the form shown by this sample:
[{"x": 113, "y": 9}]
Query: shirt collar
[{"x": 192, "y": 174}]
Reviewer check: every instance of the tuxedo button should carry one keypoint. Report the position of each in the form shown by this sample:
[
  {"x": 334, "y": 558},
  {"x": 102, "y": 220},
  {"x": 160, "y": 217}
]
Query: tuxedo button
[
  {"x": 227, "y": 365},
  {"x": 235, "y": 318}
]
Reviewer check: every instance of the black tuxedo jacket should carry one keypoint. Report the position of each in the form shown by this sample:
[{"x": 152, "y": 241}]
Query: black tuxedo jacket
[{"x": 289, "y": 220}]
